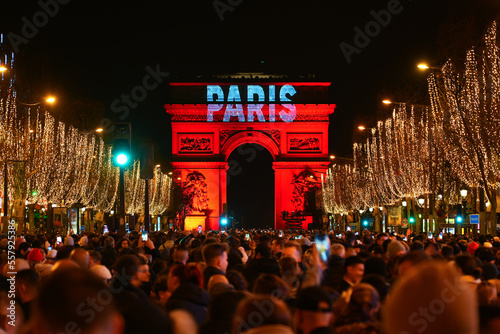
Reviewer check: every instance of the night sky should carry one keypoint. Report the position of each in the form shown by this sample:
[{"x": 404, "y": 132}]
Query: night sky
[{"x": 91, "y": 52}]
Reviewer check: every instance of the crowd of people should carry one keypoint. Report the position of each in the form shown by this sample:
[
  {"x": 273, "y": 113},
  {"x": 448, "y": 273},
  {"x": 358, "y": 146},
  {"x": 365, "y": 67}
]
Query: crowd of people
[{"x": 252, "y": 282}]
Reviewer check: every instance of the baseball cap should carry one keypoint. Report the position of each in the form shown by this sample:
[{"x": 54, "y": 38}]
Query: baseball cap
[{"x": 315, "y": 299}]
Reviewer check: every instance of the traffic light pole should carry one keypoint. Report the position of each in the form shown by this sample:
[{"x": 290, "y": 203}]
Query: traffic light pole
[
  {"x": 146, "y": 206},
  {"x": 121, "y": 226}
]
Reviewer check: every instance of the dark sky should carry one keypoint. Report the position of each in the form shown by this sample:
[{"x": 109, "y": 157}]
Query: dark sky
[{"x": 98, "y": 50}]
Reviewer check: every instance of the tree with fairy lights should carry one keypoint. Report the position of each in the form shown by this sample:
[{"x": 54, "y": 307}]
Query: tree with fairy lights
[{"x": 465, "y": 109}]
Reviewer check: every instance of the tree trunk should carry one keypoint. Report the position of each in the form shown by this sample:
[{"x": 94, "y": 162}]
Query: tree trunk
[{"x": 493, "y": 214}]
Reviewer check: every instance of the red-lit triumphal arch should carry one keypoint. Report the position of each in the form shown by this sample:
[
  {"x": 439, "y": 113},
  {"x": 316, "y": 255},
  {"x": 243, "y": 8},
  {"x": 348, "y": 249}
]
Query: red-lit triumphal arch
[{"x": 211, "y": 120}]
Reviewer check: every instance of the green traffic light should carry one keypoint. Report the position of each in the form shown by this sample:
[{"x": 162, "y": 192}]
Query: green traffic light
[
  {"x": 365, "y": 223},
  {"x": 34, "y": 193},
  {"x": 459, "y": 219},
  {"x": 121, "y": 159},
  {"x": 412, "y": 219}
]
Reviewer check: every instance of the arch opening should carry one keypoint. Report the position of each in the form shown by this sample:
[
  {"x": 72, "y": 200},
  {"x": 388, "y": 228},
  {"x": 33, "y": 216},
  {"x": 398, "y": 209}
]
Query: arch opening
[{"x": 251, "y": 187}]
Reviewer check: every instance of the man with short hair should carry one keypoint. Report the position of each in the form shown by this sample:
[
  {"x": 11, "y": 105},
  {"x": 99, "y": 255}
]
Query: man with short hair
[
  {"x": 181, "y": 255},
  {"x": 215, "y": 257},
  {"x": 294, "y": 250},
  {"x": 277, "y": 247},
  {"x": 354, "y": 270},
  {"x": 381, "y": 237},
  {"x": 26, "y": 290}
]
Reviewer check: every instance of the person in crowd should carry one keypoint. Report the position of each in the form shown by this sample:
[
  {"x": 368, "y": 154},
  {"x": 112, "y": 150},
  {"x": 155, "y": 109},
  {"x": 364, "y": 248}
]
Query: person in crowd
[
  {"x": 487, "y": 294},
  {"x": 262, "y": 315},
  {"x": 102, "y": 272},
  {"x": 185, "y": 285},
  {"x": 431, "y": 299},
  {"x": 263, "y": 263},
  {"x": 215, "y": 256},
  {"x": 357, "y": 310},
  {"x": 159, "y": 293},
  {"x": 26, "y": 290},
  {"x": 121, "y": 244},
  {"x": 354, "y": 269},
  {"x": 35, "y": 257},
  {"x": 289, "y": 270},
  {"x": 221, "y": 310},
  {"x": 237, "y": 280},
  {"x": 313, "y": 312},
  {"x": 81, "y": 257},
  {"x": 410, "y": 261},
  {"x": 294, "y": 250},
  {"x": 272, "y": 285},
  {"x": 467, "y": 266},
  {"x": 94, "y": 258},
  {"x": 22, "y": 250},
  {"x": 140, "y": 313},
  {"x": 379, "y": 241},
  {"x": 109, "y": 254},
  {"x": 55, "y": 309},
  {"x": 234, "y": 257},
  {"x": 277, "y": 247}
]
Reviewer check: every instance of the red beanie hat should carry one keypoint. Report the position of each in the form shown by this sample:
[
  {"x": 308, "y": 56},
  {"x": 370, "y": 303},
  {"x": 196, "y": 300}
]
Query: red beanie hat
[
  {"x": 35, "y": 255},
  {"x": 472, "y": 247}
]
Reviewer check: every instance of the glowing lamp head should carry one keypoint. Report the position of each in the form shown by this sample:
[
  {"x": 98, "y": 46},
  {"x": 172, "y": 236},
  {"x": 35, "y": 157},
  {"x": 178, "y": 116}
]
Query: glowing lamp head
[
  {"x": 423, "y": 66},
  {"x": 121, "y": 159},
  {"x": 386, "y": 101},
  {"x": 50, "y": 99},
  {"x": 3, "y": 68}
]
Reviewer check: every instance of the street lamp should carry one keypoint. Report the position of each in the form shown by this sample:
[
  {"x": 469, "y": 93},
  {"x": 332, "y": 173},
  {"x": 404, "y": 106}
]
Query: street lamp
[
  {"x": 421, "y": 201},
  {"x": 425, "y": 67},
  {"x": 463, "y": 193},
  {"x": 403, "y": 203},
  {"x": 387, "y": 102},
  {"x": 49, "y": 99}
]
